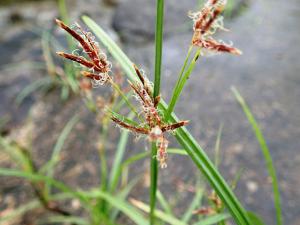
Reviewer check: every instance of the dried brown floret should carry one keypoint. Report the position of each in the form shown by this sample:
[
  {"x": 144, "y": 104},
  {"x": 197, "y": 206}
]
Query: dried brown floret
[
  {"x": 206, "y": 22},
  {"x": 155, "y": 129},
  {"x": 96, "y": 62}
]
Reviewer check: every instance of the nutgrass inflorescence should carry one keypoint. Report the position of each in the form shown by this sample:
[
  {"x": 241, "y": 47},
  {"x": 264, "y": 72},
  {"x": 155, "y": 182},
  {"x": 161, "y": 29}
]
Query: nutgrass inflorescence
[
  {"x": 206, "y": 22},
  {"x": 154, "y": 128},
  {"x": 97, "y": 64}
]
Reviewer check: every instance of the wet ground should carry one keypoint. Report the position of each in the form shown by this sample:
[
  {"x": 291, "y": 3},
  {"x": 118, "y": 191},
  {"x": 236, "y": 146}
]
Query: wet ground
[{"x": 267, "y": 75}]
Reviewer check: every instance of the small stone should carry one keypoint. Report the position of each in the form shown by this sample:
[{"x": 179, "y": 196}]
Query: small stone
[
  {"x": 75, "y": 204},
  {"x": 252, "y": 186}
]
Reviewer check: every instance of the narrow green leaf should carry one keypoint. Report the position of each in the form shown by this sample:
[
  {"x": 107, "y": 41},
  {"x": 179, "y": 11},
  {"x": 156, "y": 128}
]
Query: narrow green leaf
[
  {"x": 64, "y": 219},
  {"x": 51, "y": 67},
  {"x": 193, "y": 206},
  {"x": 144, "y": 155},
  {"x": 21, "y": 210},
  {"x": 214, "y": 219},
  {"x": 135, "y": 158},
  {"x": 255, "y": 219},
  {"x": 123, "y": 194},
  {"x": 48, "y": 168},
  {"x": 114, "y": 175},
  {"x": 120, "y": 204},
  {"x": 212, "y": 175},
  {"x": 123, "y": 118},
  {"x": 36, "y": 177},
  {"x": 65, "y": 18},
  {"x": 181, "y": 82},
  {"x": 266, "y": 153},
  {"x": 16, "y": 153},
  {"x": 217, "y": 147},
  {"x": 177, "y": 151},
  {"x": 158, "y": 213},
  {"x": 16, "y": 213},
  {"x": 34, "y": 86},
  {"x": 163, "y": 202}
]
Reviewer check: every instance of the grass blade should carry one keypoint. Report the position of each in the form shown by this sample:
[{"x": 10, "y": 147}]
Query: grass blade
[
  {"x": 158, "y": 213},
  {"x": 36, "y": 177},
  {"x": 194, "y": 205},
  {"x": 255, "y": 219},
  {"x": 181, "y": 82},
  {"x": 119, "y": 204},
  {"x": 196, "y": 153},
  {"x": 163, "y": 202},
  {"x": 123, "y": 118},
  {"x": 36, "y": 85},
  {"x": 214, "y": 219},
  {"x": 123, "y": 194},
  {"x": 19, "y": 211},
  {"x": 115, "y": 175},
  {"x": 64, "y": 220},
  {"x": 205, "y": 165},
  {"x": 48, "y": 168},
  {"x": 217, "y": 146},
  {"x": 266, "y": 152}
]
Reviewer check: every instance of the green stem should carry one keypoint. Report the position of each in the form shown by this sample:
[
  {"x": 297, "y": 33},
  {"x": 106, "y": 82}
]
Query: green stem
[
  {"x": 158, "y": 45},
  {"x": 157, "y": 78},
  {"x": 103, "y": 187},
  {"x": 181, "y": 82},
  {"x": 63, "y": 12},
  {"x": 184, "y": 66},
  {"x": 153, "y": 182}
]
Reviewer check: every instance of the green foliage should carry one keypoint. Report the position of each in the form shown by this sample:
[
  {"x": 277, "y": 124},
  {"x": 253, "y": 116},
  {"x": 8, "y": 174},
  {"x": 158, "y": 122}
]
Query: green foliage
[
  {"x": 266, "y": 153},
  {"x": 182, "y": 135}
]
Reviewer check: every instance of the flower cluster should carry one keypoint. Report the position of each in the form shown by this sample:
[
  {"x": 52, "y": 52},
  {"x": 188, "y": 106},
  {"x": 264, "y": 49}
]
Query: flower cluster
[
  {"x": 216, "y": 205},
  {"x": 97, "y": 64},
  {"x": 206, "y": 22},
  {"x": 98, "y": 70},
  {"x": 154, "y": 127}
]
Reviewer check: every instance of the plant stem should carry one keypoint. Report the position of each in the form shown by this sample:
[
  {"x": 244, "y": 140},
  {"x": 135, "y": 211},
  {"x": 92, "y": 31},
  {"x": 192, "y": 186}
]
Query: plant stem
[
  {"x": 181, "y": 82},
  {"x": 103, "y": 165},
  {"x": 157, "y": 78},
  {"x": 153, "y": 182},
  {"x": 184, "y": 66},
  {"x": 158, "y": 45}
]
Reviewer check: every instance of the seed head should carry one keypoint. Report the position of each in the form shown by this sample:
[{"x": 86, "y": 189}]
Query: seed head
[
  {"x": 96, "y": 60},
  {"x": 206, "y": 22}
]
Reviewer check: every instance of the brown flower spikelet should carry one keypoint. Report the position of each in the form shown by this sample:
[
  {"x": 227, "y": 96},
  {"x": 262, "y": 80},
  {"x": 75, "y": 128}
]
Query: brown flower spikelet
[
  {"x": 96, "y": 62},
  {"x": 206, "y": 22}
]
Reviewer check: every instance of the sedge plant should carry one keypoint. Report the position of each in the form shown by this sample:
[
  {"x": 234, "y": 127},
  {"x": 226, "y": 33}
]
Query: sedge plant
[
  {"x": 156, "y": 119},
  {"x": 205, "y": 24}
]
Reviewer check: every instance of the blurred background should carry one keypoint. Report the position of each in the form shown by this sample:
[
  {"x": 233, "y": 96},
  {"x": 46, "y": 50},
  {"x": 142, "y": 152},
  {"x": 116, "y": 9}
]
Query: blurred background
[{"x": 267, "y": 75}]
